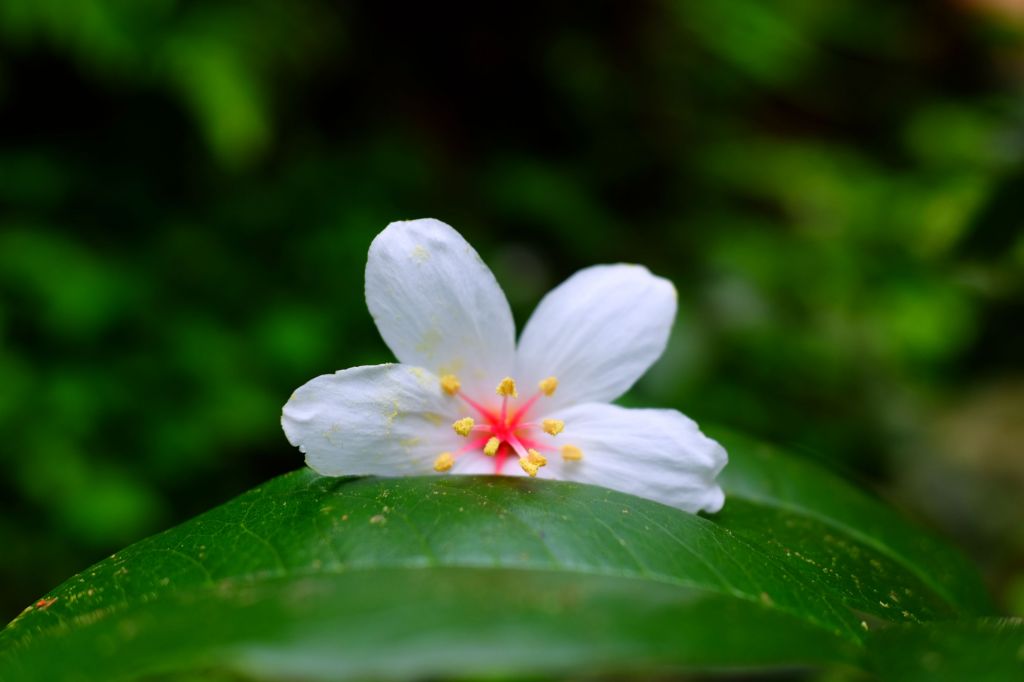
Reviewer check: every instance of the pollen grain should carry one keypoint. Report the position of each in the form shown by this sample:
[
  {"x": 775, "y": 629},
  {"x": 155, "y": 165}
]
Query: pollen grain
[
  {"x": 444, "y": 461},
  {"x": 507, "y": 388},
  {"x": 450, "y": 384},
  {"x": 552, "y": 426},
  {"x": 528, "y": 466},
  {"x": 463, "y": 426},
  {"x": 571, "y": 453}
]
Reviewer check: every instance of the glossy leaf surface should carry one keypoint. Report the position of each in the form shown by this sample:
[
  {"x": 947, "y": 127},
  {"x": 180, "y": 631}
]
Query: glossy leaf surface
[
  {"x": 321, "y": 578},
  {"x": 981, "y": 650}
]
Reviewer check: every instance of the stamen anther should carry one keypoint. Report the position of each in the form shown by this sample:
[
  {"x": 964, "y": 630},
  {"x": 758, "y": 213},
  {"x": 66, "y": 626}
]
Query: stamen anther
[
  {"x": 552, "y": 426},
  {"x": 536, "y": 458},
  {"x": 444, "y": 461},
  {"x": 507, "y": 388},
  {"x": 548, "y": 386},
  {"x": 450, "y": 384},
  {"x": 528, "y": 466},
  {"x": 571, "y": 453},
  {"x": 491, "y": 448},
  {"x": 463, "y": 426}
]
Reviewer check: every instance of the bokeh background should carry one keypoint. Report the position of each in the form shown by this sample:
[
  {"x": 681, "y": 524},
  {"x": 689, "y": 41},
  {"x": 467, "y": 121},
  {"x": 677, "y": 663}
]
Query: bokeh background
[{"x": 188, "y": 191}]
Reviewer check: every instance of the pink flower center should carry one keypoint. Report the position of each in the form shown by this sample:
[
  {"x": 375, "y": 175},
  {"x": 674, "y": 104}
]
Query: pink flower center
[
  {"x": 509, "y": 426},
  {"x": 505, "y": 430}
]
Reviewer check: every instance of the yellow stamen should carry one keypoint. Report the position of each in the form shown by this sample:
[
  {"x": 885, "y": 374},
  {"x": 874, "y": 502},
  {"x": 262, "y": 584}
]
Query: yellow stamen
[
  {"x": 548, "y": 386},
  {"x": 450, "y": 384},
  {"x": 536, "y": 458},
  {"x": 444, "y": 461},
  {"x": 463, "y": 426},
  {"x": 528, "y": 466},
  {"x": 507, "y": 388},
  {"x": 491, "y": 447},
  {"x": 571, "y": 453},
  {"x": 552, "y": 426}
]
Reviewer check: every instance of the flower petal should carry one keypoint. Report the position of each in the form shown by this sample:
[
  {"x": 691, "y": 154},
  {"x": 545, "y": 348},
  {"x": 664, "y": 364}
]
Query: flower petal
[
  {"x": 387, "y": 420},
  {"x": 437, "y": 304},
  {"x": 597, "y": 332},
  {"x": 657, "y": 454}
]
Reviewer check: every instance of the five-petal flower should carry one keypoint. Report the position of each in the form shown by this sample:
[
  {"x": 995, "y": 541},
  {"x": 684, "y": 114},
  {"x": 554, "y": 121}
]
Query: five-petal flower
[{"x": 466, "y": 399}]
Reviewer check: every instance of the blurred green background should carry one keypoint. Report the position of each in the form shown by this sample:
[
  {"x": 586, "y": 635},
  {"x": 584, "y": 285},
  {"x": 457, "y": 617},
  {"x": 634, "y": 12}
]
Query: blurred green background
[{"x": 188, "y": 191}]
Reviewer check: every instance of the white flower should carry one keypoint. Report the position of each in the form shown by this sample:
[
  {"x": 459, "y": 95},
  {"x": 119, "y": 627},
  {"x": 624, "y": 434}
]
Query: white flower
[{"x": 465, "y": 399}]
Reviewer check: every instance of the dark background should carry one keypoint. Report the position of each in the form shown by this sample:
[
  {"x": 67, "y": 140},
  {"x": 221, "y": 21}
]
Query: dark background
[{"x": 188, "y": 191}]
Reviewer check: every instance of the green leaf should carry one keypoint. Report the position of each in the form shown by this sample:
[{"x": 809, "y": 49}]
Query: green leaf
[
  {"x": 982, "y": 650},
  {"x": 322, "y": 578},
  {"x": 838, "y": 520}
]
